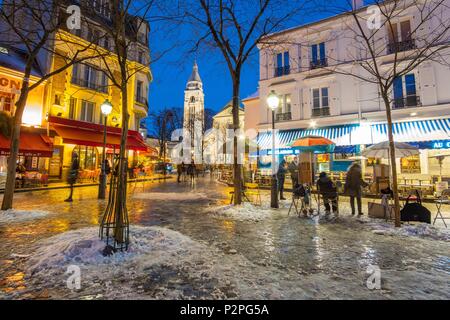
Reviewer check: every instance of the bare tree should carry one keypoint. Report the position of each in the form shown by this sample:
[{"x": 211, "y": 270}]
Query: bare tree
[
  {"x": 163, "y": 123},
  {"x": 128, "y": 18},
  {"x": 235, "y": 28},
  {"x": 36, "y": 27},
  {"x": 382, "y": 46}
]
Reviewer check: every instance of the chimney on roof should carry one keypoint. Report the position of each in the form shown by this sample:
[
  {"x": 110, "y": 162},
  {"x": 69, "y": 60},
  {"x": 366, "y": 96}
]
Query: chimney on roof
[{"x": 357, "y": 4}]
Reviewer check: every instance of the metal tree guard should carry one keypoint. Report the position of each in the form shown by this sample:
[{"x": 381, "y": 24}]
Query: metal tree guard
[{"x": 115, "y": 226}]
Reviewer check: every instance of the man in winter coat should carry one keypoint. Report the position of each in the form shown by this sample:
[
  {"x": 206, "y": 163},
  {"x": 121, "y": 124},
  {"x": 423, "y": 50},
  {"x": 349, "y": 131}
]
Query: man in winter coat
[
  {"x": 293, "y": 170},
  {"x": 328, "y": 192},
  {"x": 181, "y": 168},
  {"x": 73, "y": 175},
  {"x": 353, "y": 187},
  {"x": 281, "y": 176}
]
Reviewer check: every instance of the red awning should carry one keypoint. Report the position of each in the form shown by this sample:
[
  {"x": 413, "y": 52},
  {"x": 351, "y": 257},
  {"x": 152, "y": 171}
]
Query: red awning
[
  {"x": 31, "y": 144},
  {"x": 88, "y": 134}
]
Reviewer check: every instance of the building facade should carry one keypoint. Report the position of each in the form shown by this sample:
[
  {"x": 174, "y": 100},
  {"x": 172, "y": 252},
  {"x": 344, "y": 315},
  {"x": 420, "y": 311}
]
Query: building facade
[
  {"x": 315, "y": 99},
  {"x": 219, "y": 139},
  {"x": 69, "y": 108}
]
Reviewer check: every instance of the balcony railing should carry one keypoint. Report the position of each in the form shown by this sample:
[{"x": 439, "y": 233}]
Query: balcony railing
[
  {"x": 320, "y": 112},
  {"x": 282, "y": 71},
  {"x": 284, "y": 116},
  {"x": 142, "y": 100},
  {"x": 407, "y": 102},
  {"x": 90, "y": 85},
  {"x": 401, "y": 46},
  {"x": 319, "y": 64}
]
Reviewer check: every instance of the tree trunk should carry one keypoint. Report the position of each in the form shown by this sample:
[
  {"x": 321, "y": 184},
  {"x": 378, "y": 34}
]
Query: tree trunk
[
  {"x": 14, "y": 148},
  {"x": 236, "y": 165},
  {"x": 393, "y": 161},
  {"x": 121, "y": 211}
]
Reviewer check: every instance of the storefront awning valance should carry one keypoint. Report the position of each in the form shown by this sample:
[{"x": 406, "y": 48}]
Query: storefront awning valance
[
  {"x": 366, "y": 134},
  {"x": 31, "y": 144},
  {"x": 89, "y": 134}
]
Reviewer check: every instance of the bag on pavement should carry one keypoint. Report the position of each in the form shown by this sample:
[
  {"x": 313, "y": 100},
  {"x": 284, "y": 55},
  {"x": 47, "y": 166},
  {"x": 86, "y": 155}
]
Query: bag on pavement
[{"x": 415, "y": 211}]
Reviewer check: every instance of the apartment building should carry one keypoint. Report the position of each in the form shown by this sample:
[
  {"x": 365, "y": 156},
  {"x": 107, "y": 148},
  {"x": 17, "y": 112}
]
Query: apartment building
[
  {"x": 308, "y": 67},
  {"x": 71, "y": 105}
]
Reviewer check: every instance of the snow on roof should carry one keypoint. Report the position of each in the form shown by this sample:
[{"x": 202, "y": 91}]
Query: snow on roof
[
  {"x": 15, "y": 59},
  {"x": 252, "y": 96}
]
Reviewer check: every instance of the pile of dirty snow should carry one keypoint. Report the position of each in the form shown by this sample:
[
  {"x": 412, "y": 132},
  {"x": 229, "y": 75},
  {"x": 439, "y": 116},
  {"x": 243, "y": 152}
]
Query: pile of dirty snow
[
  {"x": 421, "y": 230},
  {"x": 160, "y": 264},
  {"x": 13, "y": 215},
  {"x": 381, "y": 227},
  {"x": 182, "y": 196},
  {"x": 244, "y": 212}
]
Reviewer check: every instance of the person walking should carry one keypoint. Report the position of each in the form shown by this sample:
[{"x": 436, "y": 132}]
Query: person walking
[
  {"x": 73, "y": 174},
  {"x": 281, "y": 176},
  {"x": 353, "y": 187},
  {"x": 328, "y": 192},
  {"x": 293, "y": 170},
  {"x": 180, "y": 170},
  {"x": 191, "y": 171}
]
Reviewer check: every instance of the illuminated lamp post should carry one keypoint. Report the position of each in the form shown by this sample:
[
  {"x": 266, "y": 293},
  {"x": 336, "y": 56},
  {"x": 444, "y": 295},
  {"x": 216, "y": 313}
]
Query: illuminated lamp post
[
  {"x": 273, "y": 102},
  {"x": 106, "y": 108}
]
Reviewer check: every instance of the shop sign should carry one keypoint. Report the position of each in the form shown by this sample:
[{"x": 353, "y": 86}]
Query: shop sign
[
  {"x": 441, "y": 145},
  {"x": 285, "y": 152},
  {"x": 9, "y": 86}
]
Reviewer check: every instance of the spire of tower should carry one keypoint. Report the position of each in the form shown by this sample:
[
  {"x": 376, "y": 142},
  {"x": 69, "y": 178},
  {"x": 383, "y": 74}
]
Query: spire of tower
[{"x": 195, "y": 76}]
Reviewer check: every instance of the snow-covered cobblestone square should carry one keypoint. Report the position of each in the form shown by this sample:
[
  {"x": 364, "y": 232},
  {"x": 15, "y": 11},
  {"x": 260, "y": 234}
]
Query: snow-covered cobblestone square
[{"x": 188, "y": 243}]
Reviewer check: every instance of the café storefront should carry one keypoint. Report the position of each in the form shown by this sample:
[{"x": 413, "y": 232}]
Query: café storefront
[
  {"x": 430, "y": 136},
  {"x": 86, "y": 139}
]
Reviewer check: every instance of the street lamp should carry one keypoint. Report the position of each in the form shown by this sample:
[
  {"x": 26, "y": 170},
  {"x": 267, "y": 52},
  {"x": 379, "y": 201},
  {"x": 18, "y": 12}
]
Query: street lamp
[
  {"x": 106, "y": 108},
  {"x": 273, "y": 101}
]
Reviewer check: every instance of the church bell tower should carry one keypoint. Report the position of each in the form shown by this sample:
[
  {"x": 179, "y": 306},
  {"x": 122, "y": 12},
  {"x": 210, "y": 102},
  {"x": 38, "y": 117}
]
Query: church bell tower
[{"x": 194, "y": 106}]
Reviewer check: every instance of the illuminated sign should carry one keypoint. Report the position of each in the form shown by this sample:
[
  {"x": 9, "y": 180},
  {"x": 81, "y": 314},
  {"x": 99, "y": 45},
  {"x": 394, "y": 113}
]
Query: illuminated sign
[
  {"x": 441, "y": 145},
  {"x": 10, "y": 86}
]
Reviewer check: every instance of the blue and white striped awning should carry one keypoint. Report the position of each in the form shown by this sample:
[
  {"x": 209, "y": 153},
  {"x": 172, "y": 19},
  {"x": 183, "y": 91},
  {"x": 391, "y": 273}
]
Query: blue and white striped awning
[{"x": 366, "y": 134}]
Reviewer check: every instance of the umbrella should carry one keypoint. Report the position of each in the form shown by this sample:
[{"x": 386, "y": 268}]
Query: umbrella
[
  {"x": 381, "y": 150},
  {"x": 440, "y": 158},
  {"x": 314, "y": 144},
  {"x": 357, "y": 158}
]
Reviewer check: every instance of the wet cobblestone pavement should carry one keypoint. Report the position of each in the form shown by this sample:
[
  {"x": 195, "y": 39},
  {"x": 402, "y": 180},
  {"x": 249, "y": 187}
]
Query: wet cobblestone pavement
[{"x": 300, "y": 258}]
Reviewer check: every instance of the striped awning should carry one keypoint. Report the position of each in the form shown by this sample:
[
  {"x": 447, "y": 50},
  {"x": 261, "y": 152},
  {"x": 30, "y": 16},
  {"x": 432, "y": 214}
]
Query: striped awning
[{"x": 365, "y": 134}]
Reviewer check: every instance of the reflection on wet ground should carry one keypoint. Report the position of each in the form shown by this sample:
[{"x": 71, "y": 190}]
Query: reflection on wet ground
[{"x": 292, "y": 245}]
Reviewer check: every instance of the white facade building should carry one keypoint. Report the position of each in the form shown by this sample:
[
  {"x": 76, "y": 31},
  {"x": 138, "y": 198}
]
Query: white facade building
[{"x": 308, "y": 69}]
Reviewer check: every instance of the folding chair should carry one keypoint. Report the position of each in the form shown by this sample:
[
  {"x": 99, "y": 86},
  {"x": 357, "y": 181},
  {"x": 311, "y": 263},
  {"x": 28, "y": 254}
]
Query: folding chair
[
  {"x": 444, "y": 199},
  {"x": 252, "y": 189},
  {"x": 321, "y": 200},
  {"x": 297, "y": 200}
]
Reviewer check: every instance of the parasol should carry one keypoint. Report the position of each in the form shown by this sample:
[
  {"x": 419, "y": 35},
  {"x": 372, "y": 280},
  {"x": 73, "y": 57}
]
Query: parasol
[
  {"x": 381, "y": 150},
  {"x": 314, "y": 144}
]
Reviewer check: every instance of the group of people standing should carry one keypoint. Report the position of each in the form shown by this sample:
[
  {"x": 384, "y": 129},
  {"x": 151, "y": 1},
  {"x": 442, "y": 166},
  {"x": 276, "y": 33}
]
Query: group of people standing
[
  {"x": 184, "y": 172},
  {"x": 327, "y": 189}
]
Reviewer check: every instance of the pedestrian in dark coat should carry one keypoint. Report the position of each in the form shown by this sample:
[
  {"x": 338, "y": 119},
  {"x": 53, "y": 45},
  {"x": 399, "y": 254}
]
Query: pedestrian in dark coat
[
  {"x": 73, "y": 175},
  {"x": 191, "y": 171},
  {"x": 327, "y": 190},
  {"x": 181, "y": 168},
  {"x": 293, "y": 170},
  {"x": 281, "y": 176},
  {"x": 353, "y": 187},
  {"x": 107, "y": 167}
]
